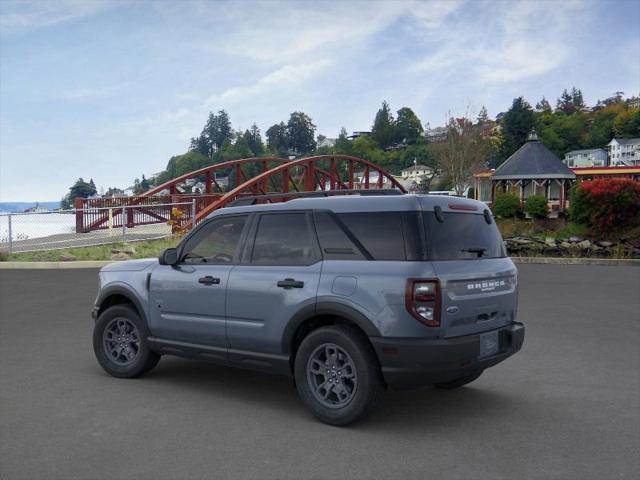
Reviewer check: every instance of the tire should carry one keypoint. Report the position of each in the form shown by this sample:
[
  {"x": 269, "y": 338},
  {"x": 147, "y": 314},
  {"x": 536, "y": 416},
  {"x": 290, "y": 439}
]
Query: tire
[
  {"x": 132, "y": 357},
  {"x": 339, "y": 354},
  {"x": 459, "y": 382}
]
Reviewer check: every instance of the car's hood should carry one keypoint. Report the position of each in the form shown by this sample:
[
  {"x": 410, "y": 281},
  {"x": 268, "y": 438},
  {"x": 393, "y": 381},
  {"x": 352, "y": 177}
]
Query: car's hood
[{"x": 130, "y": 265}]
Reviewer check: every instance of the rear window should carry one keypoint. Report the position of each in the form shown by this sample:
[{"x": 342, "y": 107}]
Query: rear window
[{"x": 462, "y": 236}]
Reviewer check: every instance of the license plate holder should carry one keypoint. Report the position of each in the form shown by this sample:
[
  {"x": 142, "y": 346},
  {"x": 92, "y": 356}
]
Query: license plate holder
[{"x": 489, "y": 344}]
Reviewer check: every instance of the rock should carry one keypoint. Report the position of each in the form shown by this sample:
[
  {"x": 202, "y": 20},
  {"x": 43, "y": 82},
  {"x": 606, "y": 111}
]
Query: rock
[
  {"x": 67, "y": 257},
  {"x": 565, "y": 244},
  {"x": 605, "y": 244},
  {"x": 584, "y": 244},
  {"x": 550, "y": 241},
  {"x": 575, "y": 239}
]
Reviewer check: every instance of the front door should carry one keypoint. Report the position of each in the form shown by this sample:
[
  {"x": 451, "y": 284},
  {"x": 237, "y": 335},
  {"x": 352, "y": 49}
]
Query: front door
[{"x": 187, "y": 300}]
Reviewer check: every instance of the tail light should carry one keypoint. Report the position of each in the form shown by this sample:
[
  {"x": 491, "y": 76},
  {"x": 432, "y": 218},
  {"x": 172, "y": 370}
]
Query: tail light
[{"x": 422, "y": 299}]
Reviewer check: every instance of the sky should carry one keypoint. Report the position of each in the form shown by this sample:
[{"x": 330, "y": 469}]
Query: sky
[{"x": 110, "y": 90}]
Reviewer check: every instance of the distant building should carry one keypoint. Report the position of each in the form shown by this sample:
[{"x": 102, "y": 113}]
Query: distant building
[
  {"x": 355, "y": 135},
  {"x": 624, "y": 152},
  {"x": 592, "y": 173},
  {"x": 327, "y": 142},
  {"x": 417, "y": 171},
  {"x": 594, "y": 157},
  {"x": 435, "y": 135}
]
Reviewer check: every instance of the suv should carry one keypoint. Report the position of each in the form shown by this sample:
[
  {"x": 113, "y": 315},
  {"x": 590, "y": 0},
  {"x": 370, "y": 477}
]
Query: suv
[{"x": 349, "y": 295}]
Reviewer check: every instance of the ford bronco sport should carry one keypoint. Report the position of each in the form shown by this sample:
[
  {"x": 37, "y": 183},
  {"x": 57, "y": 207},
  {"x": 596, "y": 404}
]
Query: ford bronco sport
[{"x": 349, "y": 295}]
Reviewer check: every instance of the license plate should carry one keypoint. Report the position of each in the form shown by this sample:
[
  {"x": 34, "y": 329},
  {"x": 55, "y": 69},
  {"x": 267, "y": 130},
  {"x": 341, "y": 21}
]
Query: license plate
[{"x": 489, "y": 343}]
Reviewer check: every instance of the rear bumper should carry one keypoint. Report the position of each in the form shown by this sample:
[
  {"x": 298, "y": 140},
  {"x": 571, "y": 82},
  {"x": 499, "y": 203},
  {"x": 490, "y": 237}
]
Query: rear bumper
[{"x": 412, "y": 363}]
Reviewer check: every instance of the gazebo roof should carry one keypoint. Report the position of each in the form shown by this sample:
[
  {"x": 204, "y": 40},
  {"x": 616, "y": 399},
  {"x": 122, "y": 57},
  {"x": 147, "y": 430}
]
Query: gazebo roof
[{"x": 532, "y": 160}]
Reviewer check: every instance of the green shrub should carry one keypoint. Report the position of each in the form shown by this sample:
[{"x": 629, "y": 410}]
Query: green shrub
[
  {"x": 536, "y": 206},
  {"x": 506, "y": 205}
]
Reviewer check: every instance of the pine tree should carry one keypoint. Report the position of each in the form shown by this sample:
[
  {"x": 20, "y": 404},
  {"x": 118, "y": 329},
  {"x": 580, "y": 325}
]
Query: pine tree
[
  {"x": 483, "y": 116},
  {"x": 543, "y": 106},
  {"x": 382, "y": 130},
  {"x": 517, "y": 123}
]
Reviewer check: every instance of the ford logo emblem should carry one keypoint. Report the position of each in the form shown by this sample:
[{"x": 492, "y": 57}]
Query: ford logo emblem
[{"x": 453, "y": 309}]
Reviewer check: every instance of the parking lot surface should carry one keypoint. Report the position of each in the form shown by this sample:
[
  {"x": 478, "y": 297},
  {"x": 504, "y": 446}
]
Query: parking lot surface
[{"x": 566, "y": 407}]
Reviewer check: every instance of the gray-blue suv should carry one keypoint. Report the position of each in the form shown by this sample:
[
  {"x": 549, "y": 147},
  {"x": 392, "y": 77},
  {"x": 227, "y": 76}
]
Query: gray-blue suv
[{"x": 348, "y": 295}]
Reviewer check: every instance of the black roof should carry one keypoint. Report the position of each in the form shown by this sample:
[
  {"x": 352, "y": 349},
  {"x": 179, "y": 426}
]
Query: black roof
[{"x": 533, "y": 160}]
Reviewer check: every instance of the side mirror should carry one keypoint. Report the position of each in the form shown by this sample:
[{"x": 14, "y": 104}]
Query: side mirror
[{"x": 169, "y": 257}]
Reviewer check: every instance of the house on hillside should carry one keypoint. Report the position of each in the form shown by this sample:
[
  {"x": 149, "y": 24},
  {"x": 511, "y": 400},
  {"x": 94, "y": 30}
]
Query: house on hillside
[
  {"x": 624, "y": 152},
  {"x": 593, "y": 157},
  {"x": 327, "y": 142},
  {"x": 532, "y": 170}
]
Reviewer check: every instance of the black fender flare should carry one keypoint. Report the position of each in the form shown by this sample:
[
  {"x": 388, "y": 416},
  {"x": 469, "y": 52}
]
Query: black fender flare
[
  {"x": 326, "y": 308},
  {"x": 122, "y": 290}
]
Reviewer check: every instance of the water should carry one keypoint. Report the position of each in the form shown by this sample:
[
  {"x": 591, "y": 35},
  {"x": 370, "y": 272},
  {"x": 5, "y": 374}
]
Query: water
[{"x": 29, "y": 226}]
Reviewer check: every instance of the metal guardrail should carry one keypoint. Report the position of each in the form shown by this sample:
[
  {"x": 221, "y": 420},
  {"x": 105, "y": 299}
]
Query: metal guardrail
[{"x": 57, "y": 229}]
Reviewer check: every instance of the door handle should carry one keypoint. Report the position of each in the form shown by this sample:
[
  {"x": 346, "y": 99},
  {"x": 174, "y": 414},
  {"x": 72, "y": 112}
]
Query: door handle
[
  {"x": 290, "y": 283},
  {"x": 209, "y": 280}
]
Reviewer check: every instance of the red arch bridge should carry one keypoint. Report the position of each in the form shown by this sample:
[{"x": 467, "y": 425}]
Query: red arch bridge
[{"x": 245, "y": 177}]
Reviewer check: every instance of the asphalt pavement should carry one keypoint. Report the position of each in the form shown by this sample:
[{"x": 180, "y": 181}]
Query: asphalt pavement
[{"x": 566, "y": 407}]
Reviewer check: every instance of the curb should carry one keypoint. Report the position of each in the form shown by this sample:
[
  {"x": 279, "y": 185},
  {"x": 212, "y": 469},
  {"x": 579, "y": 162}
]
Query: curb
[
  {"x": 53, "y": 265},
  {"x": 611, "y": 262}
]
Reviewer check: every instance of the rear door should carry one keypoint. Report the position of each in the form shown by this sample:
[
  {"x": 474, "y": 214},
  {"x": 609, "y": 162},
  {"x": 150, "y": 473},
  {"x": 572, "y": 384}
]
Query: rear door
[
  {"x": 478, "y": 282},
  {"x": 278, "y": 277}
]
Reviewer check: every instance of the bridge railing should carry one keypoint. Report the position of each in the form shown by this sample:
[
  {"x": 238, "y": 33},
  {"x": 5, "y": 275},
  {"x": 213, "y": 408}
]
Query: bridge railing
[{"x": 103, "y": 213}]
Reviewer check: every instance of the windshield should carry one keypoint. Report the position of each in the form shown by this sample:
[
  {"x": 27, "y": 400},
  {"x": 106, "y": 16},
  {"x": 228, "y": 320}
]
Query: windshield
[{"x": 462, "y": 236}]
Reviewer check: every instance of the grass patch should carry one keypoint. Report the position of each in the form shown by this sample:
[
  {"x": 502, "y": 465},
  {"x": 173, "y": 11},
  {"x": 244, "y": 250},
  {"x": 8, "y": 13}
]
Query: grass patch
[{"x": 143, "y": 249}]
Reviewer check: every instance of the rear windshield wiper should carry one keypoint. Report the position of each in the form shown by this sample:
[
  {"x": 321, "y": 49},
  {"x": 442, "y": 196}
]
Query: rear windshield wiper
[{"x": 479, "y": 251}]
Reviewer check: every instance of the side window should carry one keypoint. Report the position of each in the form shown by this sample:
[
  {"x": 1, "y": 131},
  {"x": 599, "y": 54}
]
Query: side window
[
  {"x": 334, "y": 241},
  {"x": 379, "y": 232},
  {"x": 216, "y": 243},
  {"x": 283, "y": 239}
]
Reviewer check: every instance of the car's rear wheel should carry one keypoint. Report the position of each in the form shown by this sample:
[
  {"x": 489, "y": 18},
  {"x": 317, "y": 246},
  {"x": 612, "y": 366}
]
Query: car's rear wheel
[
  {"x": 337, "y": 375},
  {"x": 120, "y": 343},
  {"x": 459, "y": 382}
]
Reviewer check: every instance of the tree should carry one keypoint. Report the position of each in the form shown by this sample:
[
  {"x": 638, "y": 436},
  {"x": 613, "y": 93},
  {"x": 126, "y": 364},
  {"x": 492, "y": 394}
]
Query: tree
[
  {"x": 627, "y": 124},
  {"x": 544, "y": 106},
  {"x": 576, "y": 99},
  {"x": 463, "y": 151},
  {"x": 483, "y": 116},
  {"x": 408, "y": 126},
  {"x": 343, "y": 144},
  {"x": 382, "y": 130},
  {"x": 565, "y": 103},
  {"x": 253, "y": 138},
  {"x": 301, "y": 133},
  {"x": 277, "y": 139},
  {"x": 216, "y": 131},
  {"x": 517, "y": 123},
  {"x": 80, "y": 189}
]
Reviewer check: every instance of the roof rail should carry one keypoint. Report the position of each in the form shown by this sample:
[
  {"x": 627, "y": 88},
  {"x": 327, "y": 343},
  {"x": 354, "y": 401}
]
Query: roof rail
[{"x": 251, "y": 200}]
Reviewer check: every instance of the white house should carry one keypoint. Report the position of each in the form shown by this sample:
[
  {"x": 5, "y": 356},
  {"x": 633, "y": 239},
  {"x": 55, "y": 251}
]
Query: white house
[
  {"x": 327, "y": 142},
  {"x": 417, "y": 171},
  {"x": 624, "y": 152},
  {"x": 594, "y": 157}
]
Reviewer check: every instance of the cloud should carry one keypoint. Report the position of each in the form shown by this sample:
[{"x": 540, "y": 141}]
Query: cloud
[
  {"x": 285, "y": 77},
  {"x": 23, "y": 15},
  {"x": 526, "y": 40}
]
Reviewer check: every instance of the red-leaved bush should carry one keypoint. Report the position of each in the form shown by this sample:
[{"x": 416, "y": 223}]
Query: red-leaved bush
[{"x": 607, "y": 204}]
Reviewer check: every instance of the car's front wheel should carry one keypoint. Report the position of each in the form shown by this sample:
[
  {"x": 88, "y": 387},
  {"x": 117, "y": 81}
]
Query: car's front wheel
[
  {"x": 337, "y": 375},
  {"x": 120, "y": 343}
]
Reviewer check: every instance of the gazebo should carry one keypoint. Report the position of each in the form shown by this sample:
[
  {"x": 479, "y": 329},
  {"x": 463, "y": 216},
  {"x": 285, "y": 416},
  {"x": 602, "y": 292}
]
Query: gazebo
[{"x": 532, "y": 170}]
